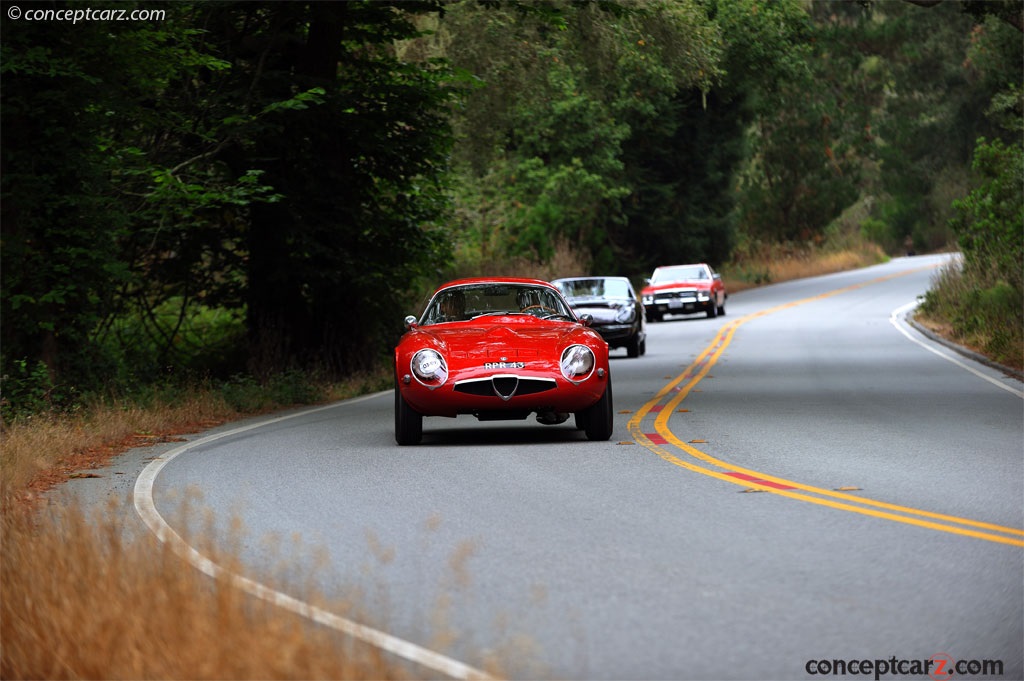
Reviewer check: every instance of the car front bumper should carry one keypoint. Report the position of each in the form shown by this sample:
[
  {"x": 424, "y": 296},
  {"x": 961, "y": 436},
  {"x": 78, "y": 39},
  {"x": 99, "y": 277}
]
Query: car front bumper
[
  {"x": 679, "y": 303},
  {"x": 615, "y": 334}
]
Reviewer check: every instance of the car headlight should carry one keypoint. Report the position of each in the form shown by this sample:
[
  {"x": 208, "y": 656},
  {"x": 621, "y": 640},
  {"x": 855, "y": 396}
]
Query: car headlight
[
  {"x": 648, "y": 300},
  {"x": 625, "y": 314},
  {"x": 703, "y": 296},
  {"x": 577, "y": 362},
  {"x": 429, "y": 368}
]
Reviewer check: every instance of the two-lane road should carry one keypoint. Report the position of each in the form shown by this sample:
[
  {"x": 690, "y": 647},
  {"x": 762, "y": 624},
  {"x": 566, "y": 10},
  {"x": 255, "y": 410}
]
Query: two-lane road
[{"x": 803, "y": 479}]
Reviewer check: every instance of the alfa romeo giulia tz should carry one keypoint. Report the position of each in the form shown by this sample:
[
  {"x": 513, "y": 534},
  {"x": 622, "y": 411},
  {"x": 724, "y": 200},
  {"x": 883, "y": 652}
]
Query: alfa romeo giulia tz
[{"x": 501, "y": 349}]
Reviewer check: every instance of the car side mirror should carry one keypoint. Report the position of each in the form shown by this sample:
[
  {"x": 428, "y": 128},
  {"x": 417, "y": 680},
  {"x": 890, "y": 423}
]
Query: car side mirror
[
  {"x": 718, "y": 276},
  {"x": 587, "y": 319},
  {"x": 410, "y": 322}
]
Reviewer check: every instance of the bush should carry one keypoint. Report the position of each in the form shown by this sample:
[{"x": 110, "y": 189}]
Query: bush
[
  {"x": 27, "y": 389},
  {"x": 989, "y": 319},
  {"x": 985, "y": 302},
  {"x": 249, "y": 395}
]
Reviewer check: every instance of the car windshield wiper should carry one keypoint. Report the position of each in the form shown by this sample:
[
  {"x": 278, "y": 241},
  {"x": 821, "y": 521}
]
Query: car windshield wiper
[{"x": 495, "y": 313}]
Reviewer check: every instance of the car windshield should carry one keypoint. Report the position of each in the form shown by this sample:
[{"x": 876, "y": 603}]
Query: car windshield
[
  {"x": 681, "y": 273},
  {"x": 597, "y": 287},
  {"x": 460, "y": 303}
]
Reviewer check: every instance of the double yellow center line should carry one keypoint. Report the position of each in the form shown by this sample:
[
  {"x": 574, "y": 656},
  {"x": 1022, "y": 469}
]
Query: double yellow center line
[{"x": 663, "y": 440}]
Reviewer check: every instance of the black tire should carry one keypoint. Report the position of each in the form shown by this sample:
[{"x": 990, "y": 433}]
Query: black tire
[
  {"x": 712, "y": 310},
  {"x": 408, "y": 421},
  {"x": 633, "y": 346},
  {"x": 599, "y": 419}
]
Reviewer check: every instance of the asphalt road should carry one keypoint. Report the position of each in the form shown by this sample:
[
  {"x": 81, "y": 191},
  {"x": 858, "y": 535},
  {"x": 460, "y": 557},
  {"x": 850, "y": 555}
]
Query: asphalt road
[{"x": 802, "y": 481}]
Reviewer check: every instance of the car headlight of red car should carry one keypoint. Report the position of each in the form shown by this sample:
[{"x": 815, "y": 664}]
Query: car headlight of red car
[
  {"x": 429, "y": 368},
  {"x": 577, "y": 362}
]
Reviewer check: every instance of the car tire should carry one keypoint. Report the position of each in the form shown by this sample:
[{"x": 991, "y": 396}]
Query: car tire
[
  {"x": 599, "y": 419},
  {"x": 713, "y": 310},
  {"x": 408, "y": 421},
  {"x": 633, "y": 347},
  {"x": 721, "y": 308}
]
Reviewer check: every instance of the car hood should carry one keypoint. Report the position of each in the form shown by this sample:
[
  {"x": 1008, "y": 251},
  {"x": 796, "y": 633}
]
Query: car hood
[
  {"x": 485, "y": 340},
  {"x": 671, "y": 285},
  {"x": 603, "y": 311}
]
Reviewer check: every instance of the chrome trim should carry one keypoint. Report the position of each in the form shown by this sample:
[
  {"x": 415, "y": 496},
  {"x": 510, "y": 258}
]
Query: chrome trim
[{"x": 532, "y": 385}]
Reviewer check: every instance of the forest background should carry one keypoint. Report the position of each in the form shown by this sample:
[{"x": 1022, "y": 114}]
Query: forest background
[{"x": 248, "y": 195}]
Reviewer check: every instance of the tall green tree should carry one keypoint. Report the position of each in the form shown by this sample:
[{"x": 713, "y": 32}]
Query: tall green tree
[
  {"x": 809, "y": 126},
  {"x": 355, "y": 143},
  {"x": 686, "y": 159},
  {"x": 563, "y": 87},
  {"x": 277, "y": 160},
  {"x": 66, "y": 210},
  {"x": 929, "y": 119}
]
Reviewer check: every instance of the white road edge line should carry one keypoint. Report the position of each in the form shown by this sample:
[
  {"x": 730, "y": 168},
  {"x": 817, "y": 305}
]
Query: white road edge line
[
  {"x": 895, "y": 319},
  {"x": 146, "y": 508}
]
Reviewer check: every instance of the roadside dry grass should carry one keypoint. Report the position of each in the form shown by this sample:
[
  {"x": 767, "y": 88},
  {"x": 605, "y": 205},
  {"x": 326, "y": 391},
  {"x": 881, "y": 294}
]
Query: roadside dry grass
[
  {"x": 81, "y": 602},
  {"x": 45, "y": 450},
  {"x": 768, "y": 264}
]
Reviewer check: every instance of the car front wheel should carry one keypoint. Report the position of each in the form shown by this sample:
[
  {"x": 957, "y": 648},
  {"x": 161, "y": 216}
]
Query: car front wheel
[
  {"x": 633, "y": 346},
  {"x": 408, "y": 422},
  {"x": 598, "y": 420}
]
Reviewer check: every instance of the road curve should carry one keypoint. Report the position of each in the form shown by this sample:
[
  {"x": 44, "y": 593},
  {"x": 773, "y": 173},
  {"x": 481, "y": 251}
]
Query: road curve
[{"x": 801, "y": 482}]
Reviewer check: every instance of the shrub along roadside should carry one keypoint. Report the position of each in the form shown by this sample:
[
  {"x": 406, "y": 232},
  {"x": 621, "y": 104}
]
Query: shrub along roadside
[
  {"x": 987, "y": 318},
  {"x": 981, "y": 299}
]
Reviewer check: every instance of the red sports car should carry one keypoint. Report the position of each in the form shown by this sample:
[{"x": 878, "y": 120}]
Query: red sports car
[
  {"x": 501, "y": 349},
  {"x": 684, "y": 289}
]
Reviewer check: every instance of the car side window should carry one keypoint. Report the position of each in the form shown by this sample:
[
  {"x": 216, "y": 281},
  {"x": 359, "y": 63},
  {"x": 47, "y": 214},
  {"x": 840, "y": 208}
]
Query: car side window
[{"x": 449, "y": 306}]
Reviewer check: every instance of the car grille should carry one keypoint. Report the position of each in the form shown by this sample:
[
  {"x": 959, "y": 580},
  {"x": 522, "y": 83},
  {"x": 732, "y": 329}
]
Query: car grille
[
  {"x": 684, "y": 293},
  {"x": 504, "y": 386}
]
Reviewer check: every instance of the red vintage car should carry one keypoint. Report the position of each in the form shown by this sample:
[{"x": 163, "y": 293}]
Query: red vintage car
[
  {"x": 501, "y": 349},
  {"x": 684, "y": 289}
]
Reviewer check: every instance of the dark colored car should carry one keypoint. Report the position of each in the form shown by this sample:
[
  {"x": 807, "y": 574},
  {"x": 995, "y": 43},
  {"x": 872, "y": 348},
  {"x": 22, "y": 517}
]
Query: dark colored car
[
  {"x": 614, "y": 308},
  {"x": 684, "y": 289},
  {"x": 501, "y": 349}
]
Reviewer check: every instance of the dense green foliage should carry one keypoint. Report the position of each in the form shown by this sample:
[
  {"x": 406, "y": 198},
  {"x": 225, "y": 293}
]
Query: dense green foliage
[
  {"x": 274, "y": 164},
  {"x": 983, "y": 298},
  {"x": 241, "y": 190}
]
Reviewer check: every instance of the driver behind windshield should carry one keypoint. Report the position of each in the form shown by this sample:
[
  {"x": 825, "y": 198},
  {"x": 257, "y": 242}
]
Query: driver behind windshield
[{"x": 450, "y": 307}]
